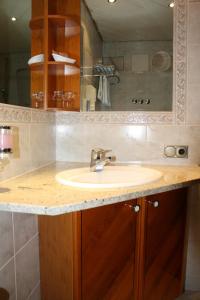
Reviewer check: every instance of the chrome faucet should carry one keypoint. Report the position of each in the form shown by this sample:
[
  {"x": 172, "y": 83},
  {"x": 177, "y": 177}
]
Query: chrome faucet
[{"x": 99, "y": 159}]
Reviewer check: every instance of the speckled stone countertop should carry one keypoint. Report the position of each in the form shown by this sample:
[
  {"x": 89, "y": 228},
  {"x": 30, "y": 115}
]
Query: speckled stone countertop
[{"x": 38, "y": 192}]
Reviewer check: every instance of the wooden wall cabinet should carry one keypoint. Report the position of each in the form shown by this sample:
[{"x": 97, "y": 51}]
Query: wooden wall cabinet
[
  {"x": 130, "y": 251},
  {"x": 55, "y": 26}
]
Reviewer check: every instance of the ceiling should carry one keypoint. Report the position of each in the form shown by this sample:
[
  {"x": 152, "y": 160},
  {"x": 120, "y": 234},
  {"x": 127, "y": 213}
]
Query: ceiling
[
  {"x": 133, "y": 20},
  {"x": 125, "y": 20},
  {"x": 15, "y": 36}
]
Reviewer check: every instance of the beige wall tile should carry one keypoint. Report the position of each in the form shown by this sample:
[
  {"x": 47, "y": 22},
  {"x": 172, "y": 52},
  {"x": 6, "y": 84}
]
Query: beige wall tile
[
  {"x": 194, "y": 64},
  {"x": 6, "y": 237},
  {"x": 193, "y": 264},
  {"x": 189, "y": 296},
  {"x": 32, "y": 137},
  {"x": 193, "y": 104},
  {"x": 7, "y": 279},
  {"x": 192, "y": 283},
  {"x": 27, "y": 269},
  {"x": 194, "y": 23},
  {"x": 179, "y": 135},
  {"x": 42, "y": 144},
  {"x": 25, "y": 227},
  {"x": 74, "y": 143},
  {"x": 129, "y": 143},
  {"x": 35, "y": 295},
  {"x": 19, "y": 161}
]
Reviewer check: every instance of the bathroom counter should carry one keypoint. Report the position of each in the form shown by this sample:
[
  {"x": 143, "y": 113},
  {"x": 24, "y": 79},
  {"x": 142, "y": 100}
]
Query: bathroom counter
[{"x": 38, "y": 192}]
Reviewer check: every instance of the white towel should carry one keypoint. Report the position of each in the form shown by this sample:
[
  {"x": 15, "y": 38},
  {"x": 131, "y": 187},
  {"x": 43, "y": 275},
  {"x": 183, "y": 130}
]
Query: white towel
[
  {"x": 90, "y": 92},
  {"x": 100, "y": 89},
  {"x": 91, "y": 95},
  {"x": 104, "y": 91}
]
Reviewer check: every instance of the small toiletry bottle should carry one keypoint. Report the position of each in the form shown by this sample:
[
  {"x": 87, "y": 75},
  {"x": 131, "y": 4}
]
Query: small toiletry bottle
[{"x": 87, "y": 105}]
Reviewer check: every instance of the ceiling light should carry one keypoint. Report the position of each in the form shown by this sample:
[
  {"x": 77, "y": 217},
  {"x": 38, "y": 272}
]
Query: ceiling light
[
  {"x": 111, "y": 1},
  {"x": 172, "y": 4},
  {"x": 13, "y": 19}
]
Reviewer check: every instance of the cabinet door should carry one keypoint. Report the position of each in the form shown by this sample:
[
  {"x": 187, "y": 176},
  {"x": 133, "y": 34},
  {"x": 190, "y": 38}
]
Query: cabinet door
[
  {"x": 108, "y": 252},
  {"x": 164, "y": 245}
]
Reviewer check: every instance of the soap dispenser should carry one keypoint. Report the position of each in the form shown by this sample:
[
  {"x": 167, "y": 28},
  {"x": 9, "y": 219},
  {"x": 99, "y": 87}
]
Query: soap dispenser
[{"x": 6, "y": 144}]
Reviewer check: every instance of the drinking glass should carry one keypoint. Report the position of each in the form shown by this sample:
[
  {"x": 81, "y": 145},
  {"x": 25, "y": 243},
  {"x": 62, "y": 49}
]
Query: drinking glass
[{"x": 38, "y": 98}]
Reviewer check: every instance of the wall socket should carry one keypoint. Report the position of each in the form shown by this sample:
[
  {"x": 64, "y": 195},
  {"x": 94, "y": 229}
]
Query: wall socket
[{"x": 176, "y": 151}]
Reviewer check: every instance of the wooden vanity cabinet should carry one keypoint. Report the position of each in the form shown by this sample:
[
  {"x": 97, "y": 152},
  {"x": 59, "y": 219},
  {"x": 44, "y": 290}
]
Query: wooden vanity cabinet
[
  {"x": 108, "y": 252},
  {"x": 163, "y": 245},
  {"x": 126, "y": 251}
]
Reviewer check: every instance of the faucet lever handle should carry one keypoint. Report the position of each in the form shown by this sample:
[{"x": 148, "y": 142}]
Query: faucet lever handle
[
  {"x": 107, "y": 151},
  {"x": 99, "y": 159},
  {"x": 112, "y": 158},
  {"x": 104, "y": 152},
  {"x": 99, "y": 152}
]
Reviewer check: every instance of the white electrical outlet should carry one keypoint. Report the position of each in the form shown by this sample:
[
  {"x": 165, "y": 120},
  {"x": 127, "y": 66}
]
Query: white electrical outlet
[{"x": 176, "y": 151}]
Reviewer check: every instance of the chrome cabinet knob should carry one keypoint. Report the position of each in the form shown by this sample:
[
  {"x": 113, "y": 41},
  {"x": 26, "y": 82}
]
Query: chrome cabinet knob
[
  {"x": 135, "y": 208},
  {"x": 154, "y": 203}
]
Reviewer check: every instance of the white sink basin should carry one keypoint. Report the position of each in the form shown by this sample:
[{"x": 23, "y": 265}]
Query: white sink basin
[{"x": 110, "y": 177}]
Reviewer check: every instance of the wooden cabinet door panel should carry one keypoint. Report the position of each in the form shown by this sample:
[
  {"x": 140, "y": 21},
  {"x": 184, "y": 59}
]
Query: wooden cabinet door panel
[
  {"x": 164, "y": 245},
  {"x": 108, "y": 252}
]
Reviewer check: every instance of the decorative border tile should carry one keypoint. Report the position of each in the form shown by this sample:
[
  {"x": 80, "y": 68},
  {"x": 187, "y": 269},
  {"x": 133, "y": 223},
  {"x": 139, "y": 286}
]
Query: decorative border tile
[
  {"x": 179, "y": 93},
  {"x": 180, "y": 62},
  {"x": 42, "y": 116},
  {"x": 18, "y": 114},
  {"x": 14, "y": 114},
  {"x": 63, "y": 118}
]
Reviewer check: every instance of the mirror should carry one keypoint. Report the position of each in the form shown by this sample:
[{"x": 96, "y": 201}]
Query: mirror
[
  {"x": 127, "y": 55},
  {"x": 15, "y": 52}
]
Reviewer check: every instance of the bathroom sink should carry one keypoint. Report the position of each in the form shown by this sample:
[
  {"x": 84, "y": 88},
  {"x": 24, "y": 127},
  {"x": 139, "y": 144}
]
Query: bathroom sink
[{"x": 110, "y": 177}]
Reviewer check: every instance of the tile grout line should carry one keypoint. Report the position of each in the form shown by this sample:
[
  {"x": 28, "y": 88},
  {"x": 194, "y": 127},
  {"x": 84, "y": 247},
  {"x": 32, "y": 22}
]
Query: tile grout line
[
  {"x": 8, "y": 261},
  {"x": 30, "y": 240},
  {"x": 34, "y": 289},
  {"x": 15, "y": 270},
  {"x": 17, "y": 252}
]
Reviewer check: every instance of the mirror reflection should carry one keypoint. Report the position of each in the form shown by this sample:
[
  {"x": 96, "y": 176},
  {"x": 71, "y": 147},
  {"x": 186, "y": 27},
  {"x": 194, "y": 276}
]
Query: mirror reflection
[
  {"x": 127, "y": 55},
  {"x": 15, "y": 52}
]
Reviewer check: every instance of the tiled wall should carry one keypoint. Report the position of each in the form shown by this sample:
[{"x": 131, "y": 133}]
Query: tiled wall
[
  {"x": 193, "y": 117},
  {"x": 19, "y": 256},
  {"x": 193, "y": 88},
  {"x": 34, "y": 146},
  {"x": 143, "y": 82},
  {"x": 128, "y": 142},
  {"x": 34, "y": 139}
]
